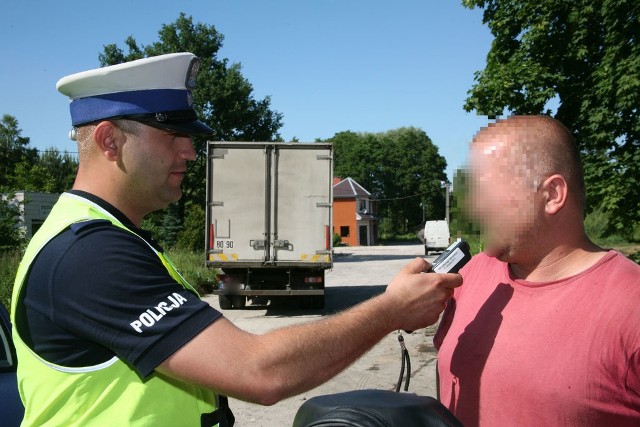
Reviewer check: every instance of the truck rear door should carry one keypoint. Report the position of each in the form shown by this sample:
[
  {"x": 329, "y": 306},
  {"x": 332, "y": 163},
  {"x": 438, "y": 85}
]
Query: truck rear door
[
  {"x": 238, "y": 200},
  {"x": 302, "y": 194}
]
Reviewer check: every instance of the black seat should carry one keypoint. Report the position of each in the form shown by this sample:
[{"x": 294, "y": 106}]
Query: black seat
[{"x": 374, "y": 408}]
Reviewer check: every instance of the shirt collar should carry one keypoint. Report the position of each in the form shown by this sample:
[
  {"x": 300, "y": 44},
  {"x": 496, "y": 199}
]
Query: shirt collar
[{"x": 146, "y": 235}]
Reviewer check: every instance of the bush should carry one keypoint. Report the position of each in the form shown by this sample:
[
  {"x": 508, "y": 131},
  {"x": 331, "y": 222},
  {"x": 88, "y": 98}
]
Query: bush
[
  {"x": 9, "y": 261},
  {"x": 191, "y": 237},
  {"x": 386, "y": 230},
  {"x": 192, "y": 267},
  {"x": 596, "y": 223},
  {"x": 400, "y": 238},
  {"x": 337, "y": 240},
  {"x": 11, "y": 236}
]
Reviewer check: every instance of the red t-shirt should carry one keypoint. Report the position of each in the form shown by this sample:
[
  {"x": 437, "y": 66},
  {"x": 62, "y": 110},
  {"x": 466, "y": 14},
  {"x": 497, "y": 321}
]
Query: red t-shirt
[{"x": 563, "y": 353}]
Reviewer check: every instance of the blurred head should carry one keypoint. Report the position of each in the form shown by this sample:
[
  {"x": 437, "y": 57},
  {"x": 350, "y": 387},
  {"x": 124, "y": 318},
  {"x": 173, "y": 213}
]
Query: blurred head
[{"x": 526, "y": 180}]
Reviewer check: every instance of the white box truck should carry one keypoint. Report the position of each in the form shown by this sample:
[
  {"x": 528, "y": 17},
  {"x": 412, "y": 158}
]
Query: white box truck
[{"x": 269, "y": 220}]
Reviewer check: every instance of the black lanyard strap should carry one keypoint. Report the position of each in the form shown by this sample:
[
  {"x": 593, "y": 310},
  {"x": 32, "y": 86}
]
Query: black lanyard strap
[{"x": 223, "y": 417}]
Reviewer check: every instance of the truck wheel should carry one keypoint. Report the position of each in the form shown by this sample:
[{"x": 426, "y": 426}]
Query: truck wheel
[
  {"x": 225, "y": 302},
  {"x": 239, "y": 301},
  {"x": 317, "y": 302}
]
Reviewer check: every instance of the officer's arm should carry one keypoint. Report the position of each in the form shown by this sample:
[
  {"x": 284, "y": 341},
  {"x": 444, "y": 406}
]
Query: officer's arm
[{"x": 267, "y": 368}]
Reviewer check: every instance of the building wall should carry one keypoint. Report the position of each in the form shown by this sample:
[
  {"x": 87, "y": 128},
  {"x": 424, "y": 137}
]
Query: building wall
[
  {"x": 35, "y": 210},
  {"x": 344, "y": 215}
]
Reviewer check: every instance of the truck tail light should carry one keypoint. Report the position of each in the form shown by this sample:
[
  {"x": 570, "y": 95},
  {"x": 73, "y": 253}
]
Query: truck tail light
[
  {"x": 327, "y": 238},
  {"x": 313, "y": 279},
  {"x": 211, "y": 236}
]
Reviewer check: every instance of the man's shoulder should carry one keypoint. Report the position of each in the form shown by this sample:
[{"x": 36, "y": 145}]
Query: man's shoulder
[
  {"x": 84, "y": 242},
  {"x": 626, "y": 264},
  {"x": 100, "y": 231},
  {"x": 616, "y": 267}
]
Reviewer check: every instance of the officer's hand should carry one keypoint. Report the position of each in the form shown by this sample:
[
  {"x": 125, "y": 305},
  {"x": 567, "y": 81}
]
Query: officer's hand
[{"x": 416, "y": 298}]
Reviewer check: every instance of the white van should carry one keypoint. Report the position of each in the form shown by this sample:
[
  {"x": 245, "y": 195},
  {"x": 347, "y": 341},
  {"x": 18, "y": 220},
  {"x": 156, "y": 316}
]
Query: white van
[{"x": 436, "y": 236}]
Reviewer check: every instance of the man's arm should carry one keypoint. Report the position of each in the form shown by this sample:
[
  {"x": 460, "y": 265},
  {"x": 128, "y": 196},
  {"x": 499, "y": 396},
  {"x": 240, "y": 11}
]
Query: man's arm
[{"x": 267, "y": 368}]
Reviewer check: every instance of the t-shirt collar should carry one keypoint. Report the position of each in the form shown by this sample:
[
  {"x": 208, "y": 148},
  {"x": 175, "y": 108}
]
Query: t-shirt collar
[{"x": 117, "y": 214}]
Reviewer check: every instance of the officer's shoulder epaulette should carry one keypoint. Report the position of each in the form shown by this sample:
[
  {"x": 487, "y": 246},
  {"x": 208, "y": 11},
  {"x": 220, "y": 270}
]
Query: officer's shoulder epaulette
[{"x": 79, "y": 227}]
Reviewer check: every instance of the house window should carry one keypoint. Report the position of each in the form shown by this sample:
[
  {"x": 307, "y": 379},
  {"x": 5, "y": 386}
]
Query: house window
[
  {"x": 363, "y": 206},
  {"x": 344, "y": 231}
]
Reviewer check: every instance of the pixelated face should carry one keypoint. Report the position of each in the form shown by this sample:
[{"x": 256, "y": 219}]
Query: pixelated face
[{"x": 502, "y": 194}]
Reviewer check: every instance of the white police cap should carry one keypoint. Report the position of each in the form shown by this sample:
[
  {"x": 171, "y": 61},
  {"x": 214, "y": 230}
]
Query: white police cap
[{"x": 155, "y": 91}]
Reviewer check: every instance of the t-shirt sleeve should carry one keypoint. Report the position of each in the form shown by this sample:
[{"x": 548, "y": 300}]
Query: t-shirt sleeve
[{"x": 111, "y": 288}]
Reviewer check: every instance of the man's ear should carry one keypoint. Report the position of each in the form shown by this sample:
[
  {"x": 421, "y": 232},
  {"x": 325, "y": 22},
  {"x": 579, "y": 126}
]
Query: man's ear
[
  {"x": 105, "y": 136},
  {"x": 556, "y": 192}
]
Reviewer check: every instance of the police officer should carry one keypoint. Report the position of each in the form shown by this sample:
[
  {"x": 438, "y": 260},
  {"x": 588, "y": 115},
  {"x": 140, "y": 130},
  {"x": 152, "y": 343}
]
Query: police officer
[{"x": 106, "y": 329}]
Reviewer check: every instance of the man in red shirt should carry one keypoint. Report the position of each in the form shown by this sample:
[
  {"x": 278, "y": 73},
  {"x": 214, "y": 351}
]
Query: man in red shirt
[{"x": 546, "y": 329}]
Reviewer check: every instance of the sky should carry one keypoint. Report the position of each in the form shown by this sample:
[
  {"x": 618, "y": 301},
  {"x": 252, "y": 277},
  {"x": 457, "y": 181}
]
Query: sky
[{"x": 328, "y": 66}]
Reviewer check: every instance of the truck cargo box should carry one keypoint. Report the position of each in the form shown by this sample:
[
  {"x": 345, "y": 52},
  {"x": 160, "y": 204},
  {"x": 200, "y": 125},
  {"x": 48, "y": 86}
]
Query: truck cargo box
[{"x": 269, "y": 217}]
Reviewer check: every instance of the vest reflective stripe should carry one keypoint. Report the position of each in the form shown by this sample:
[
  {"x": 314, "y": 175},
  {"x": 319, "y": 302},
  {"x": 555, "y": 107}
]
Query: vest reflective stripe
[{"x": 109, "y": 394}]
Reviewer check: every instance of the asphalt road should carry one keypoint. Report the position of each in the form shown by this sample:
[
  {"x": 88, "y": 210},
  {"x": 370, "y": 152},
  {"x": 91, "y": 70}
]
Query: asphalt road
[{"x": 358, "y": 274}]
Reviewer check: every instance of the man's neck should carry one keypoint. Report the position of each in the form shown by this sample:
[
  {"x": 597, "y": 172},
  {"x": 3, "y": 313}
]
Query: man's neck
[
  {"x": 108, "y": 197},
  {"x": 560, "y": 262}
]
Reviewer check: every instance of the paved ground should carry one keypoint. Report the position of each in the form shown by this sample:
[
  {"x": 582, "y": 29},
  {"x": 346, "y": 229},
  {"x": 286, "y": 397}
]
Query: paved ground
[{"x": 358, "y": 274}]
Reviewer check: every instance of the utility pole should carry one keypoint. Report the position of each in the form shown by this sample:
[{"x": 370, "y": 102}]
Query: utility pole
[{"x": 447, "y": 188}]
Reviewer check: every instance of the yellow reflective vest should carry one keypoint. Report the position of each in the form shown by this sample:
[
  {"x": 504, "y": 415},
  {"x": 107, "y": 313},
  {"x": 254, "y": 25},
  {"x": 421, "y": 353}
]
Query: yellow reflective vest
[{"x": 108, "y": 394}]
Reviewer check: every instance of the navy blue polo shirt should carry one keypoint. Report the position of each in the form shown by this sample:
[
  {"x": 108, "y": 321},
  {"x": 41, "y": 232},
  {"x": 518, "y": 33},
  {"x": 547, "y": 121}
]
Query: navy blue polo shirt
[{"x": 96, "y": 291}]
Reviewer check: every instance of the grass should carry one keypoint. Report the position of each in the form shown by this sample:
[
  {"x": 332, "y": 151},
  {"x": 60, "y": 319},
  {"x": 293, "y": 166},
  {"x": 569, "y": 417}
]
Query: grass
[
  {"x": 629, "y": 249},
  {"x": 191, "y": 266},
  {"x": 386, "y": 239}
]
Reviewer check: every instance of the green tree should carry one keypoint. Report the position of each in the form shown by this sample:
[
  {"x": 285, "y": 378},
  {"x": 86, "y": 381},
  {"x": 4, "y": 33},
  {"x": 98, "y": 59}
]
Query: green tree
[
  {"x": 354, "y": 157},
  {"x": 165, "y": 225},
  {"x": 62, "y": 168},
  {"x": 461, "y": 221},
  {"x": 51, "y": 172},
  {"x": 401, "y": 168},
  {"x": 223, "y": 98},
  {"x": 585, "y": 55},
  {"x": 191, "y": 237},
  {"x": 14, "y": 149}
]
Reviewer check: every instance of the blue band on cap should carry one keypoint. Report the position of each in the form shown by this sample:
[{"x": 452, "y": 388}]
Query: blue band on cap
[{"x": 90, "y": 109}]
